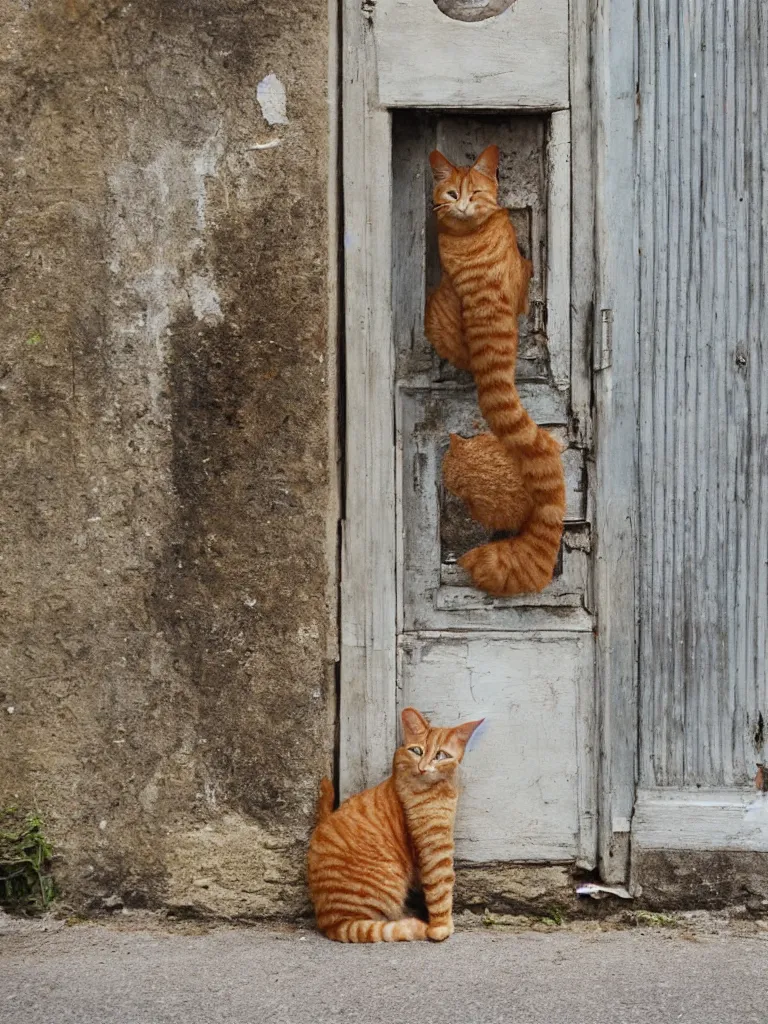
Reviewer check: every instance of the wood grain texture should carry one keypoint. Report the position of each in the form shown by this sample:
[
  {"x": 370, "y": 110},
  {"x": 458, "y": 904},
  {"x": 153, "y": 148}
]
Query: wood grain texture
[
  {"x": 368, "y": 594},
  {"x": 514, "y": 61},
  {"x": 684, "y": 819},
  {"x": 336, "y": 338},
  {"x": 559, "y": 248},
  {"x": 582, "y": 283},
  {"x": 615, "y": 402},
  {"x": 703, "y": 215},
  {"x": 528, "y": 778}
]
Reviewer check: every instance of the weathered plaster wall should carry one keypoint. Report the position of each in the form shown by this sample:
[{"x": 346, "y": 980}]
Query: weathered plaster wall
[{"x": 167, "y": 479}]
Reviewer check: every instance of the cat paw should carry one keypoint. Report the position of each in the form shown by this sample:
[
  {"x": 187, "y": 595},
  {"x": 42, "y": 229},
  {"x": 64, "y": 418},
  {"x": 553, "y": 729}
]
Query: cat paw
[
  {"x": 471, "y": 559},
  {"x": 439, "y": 932},
  {"x": 485, "y": 568}
]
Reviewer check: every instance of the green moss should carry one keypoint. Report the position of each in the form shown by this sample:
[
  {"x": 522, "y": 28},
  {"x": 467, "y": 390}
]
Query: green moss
[
  {"x": 491, "y": 920},
  {"x": 26, "y": 884},
  {"x": 35, "y": 338},
  {"x": 653, "y": 920},
  {"x": 554, "y": 917}
]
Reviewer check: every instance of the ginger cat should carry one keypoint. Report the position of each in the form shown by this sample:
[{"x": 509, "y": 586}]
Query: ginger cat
[
  {"x": 488, "y": 479},
  {"x": 366, "y": 856},
  {"x": 513, "y": 478}
]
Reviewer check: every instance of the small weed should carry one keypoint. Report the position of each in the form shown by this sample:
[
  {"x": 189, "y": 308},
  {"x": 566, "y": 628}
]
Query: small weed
[
  {"x": 652, "y": 920},
  {"x": 35, "y": 338},
  {"x": 491, "y": 920},
  {"x": 553, "y": 917},
  {"x": 26, "y": 884}
]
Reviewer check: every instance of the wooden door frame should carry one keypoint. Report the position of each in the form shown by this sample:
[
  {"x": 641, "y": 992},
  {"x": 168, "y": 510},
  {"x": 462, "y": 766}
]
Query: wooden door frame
[
  {"x": 368, "y": 624},
  {"x": 602, "y": 308},
  {"x": 615, "y": 390}
]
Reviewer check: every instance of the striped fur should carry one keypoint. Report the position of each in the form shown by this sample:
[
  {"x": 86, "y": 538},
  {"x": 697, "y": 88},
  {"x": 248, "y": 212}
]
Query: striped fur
[
  {"x": 471, "y": 320},
  {"x": 379, "y": 844}
]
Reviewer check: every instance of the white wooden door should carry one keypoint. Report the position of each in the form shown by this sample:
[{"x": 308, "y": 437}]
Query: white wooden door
[
  {"x": 413, "y": 630},
  {"x": 703, "y": 412},
  {"x": 680, "y": 395}
]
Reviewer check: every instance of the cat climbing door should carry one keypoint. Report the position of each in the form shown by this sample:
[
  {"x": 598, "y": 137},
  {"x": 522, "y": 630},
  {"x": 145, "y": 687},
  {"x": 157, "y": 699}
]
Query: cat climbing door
[{"x": 457, "y": 76}]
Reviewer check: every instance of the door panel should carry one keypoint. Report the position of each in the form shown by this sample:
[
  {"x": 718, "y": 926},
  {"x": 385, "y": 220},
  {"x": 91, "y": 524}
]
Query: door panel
[
  {"x": 427, "y": 59},
  {"x": 415, "y": 80},
  {"x": 528, "y": 776},
  {"x": 437, "y": 593},
  {"x": 463, "y": 653},
  {"x": 702, "y": 451}
]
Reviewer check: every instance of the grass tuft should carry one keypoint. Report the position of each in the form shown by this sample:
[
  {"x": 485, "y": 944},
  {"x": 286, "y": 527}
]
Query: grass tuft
[{"x": 26, "y": 883}]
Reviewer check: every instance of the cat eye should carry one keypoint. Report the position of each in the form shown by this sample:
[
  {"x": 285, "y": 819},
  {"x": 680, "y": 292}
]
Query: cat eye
[
  {"x": 416, "y": 750},
  {"x": 441, "y": 755},
  {"x": 478, "y": 191},
  {"x": 453, "y": 194}
]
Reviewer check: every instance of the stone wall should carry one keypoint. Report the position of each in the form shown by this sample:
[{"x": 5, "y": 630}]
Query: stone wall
[{"x": 168, "y": 476}]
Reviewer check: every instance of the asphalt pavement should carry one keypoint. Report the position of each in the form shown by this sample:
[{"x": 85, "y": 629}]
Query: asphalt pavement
[{"x": 91, "y": 974}]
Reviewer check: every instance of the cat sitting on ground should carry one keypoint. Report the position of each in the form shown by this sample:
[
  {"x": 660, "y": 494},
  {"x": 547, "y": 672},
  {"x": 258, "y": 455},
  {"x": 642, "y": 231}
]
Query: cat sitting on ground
[
  {"x": 365, "y": 857},
  {"x": 511, "y": 479}
]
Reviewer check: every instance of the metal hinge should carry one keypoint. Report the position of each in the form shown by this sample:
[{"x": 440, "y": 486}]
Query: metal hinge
[{"x": 603, "y": 352}]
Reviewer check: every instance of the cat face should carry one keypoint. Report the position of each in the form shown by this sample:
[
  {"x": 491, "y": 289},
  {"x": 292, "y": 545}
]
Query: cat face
[
  {"x": 430, "y": 754},
  {"x": 465, "y": 197}
]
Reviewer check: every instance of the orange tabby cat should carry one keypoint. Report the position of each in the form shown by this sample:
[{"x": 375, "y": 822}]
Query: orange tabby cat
[
  {"x": 471, "y": 320},
  {"x": 365, "y": 856},
  {"x": 488, "y": 479}
]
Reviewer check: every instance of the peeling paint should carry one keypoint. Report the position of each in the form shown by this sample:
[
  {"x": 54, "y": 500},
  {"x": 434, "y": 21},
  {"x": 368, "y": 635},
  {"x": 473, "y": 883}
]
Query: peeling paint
[
  {"x": 159, "y": 209},
  {"x": 148, "y": 797},
  {"x": 308, "y": 632},
  {"x": 272, "y": 144},
  {"x": 204, "y": 298},
  {"x": 270, "y": 93},
  {"x": 204, "y": 166}
]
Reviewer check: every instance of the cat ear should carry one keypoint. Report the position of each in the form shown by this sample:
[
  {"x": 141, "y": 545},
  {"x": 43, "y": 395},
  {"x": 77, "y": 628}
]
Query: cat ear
[
  {"x": 488, "y": 163},
  {"x": 455, "y": 442},
  {"x": 414, "y": 723},
  {"x": 462, "y": 733},
  {"x": 442, "y": 169}
]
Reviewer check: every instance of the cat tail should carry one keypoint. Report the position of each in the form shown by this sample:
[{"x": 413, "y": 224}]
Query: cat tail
[
  {"x": 523, "y": 564},
  {"x": 406, "y": 930},
  {"x": 325, "y": 800}
]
